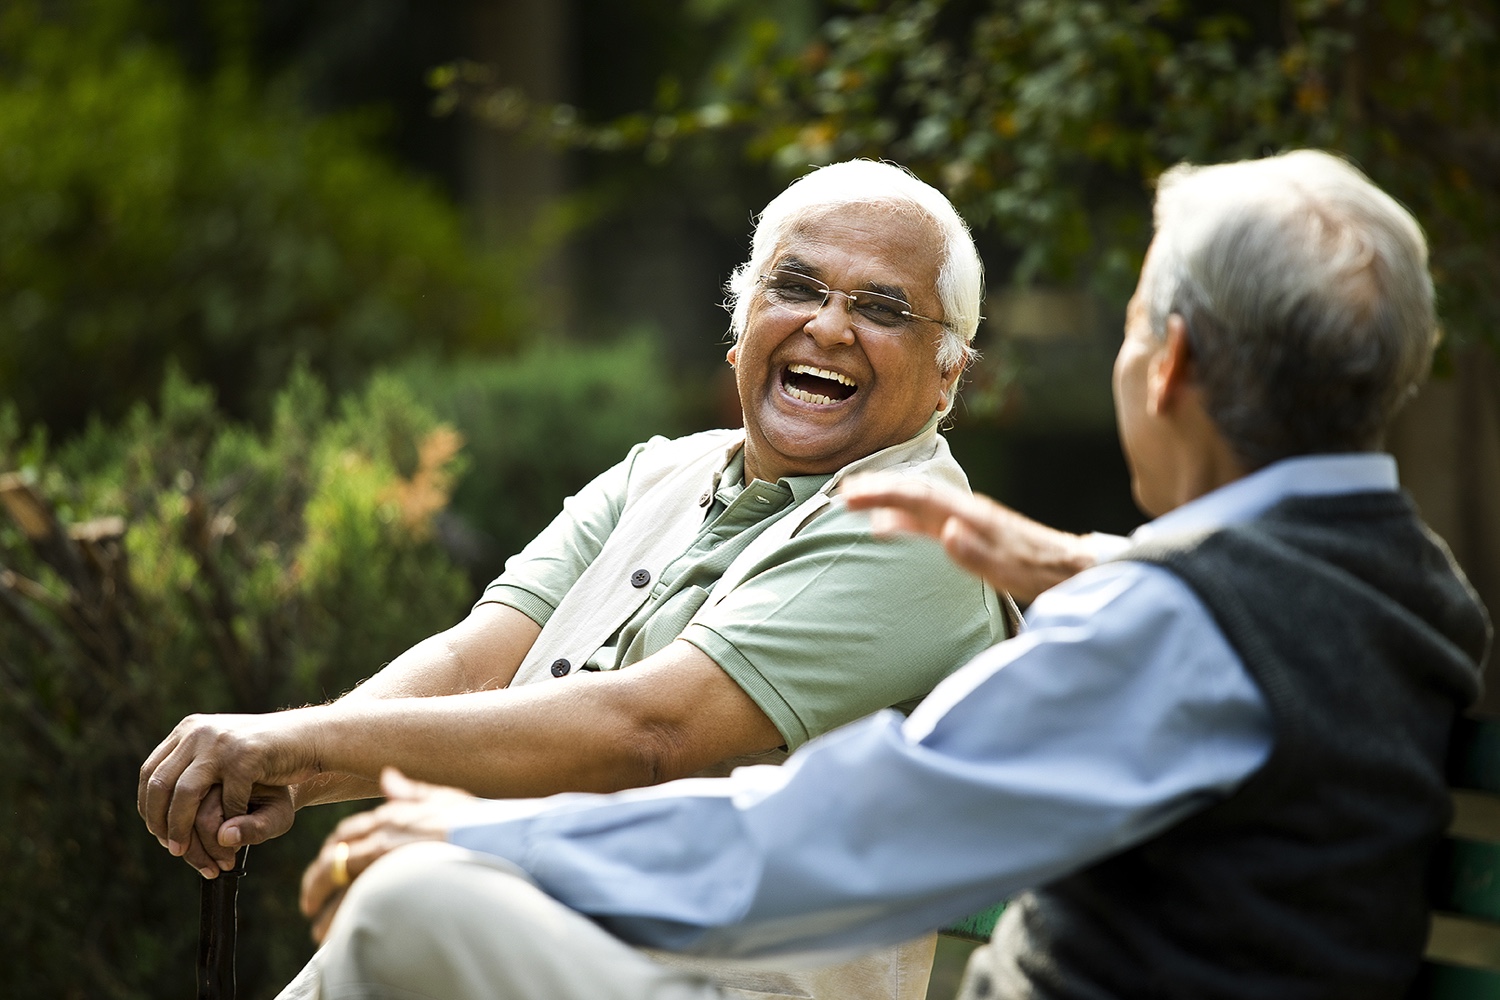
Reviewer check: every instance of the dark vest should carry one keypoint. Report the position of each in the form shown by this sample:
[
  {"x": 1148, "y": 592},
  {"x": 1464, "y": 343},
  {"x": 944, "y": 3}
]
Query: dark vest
[{"x": 1307, "y": 882}]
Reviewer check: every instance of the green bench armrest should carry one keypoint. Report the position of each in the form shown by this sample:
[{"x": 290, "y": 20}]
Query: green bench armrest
[{"x": 976, "y": 927}]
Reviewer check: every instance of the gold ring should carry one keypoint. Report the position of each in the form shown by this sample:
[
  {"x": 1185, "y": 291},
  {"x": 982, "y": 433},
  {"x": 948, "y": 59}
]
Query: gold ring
[{"x": 339, "y": 873}]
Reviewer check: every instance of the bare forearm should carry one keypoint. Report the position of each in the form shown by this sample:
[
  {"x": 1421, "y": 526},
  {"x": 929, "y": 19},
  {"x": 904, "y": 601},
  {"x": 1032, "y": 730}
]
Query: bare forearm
[
  {"x": 658, "y": 720},
  {"x": 327, "y": 788},
  {"x": 227, "y": 780},
  {"x": 481, "y": 653},
  {"x": 499, "y": 744}
]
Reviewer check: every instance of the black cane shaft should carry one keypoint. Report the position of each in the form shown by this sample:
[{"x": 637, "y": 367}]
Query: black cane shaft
[{"x": 216, "y": 932}]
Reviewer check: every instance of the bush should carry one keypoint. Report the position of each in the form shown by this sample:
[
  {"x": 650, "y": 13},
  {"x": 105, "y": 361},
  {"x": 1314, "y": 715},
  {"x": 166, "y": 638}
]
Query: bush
[
  {"x": 186, "y": 563},
  {"x": 539, "y": 426},
  {"x": 145, "y": 217}
]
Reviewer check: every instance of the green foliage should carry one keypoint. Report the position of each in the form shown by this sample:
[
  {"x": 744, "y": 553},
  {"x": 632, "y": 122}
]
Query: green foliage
[
  {"x": 148, "y": 217},
  {"x": 188, "y": 563},
  {"x": 541, "y": 425},
  {"x": 1048, "y": 120}
]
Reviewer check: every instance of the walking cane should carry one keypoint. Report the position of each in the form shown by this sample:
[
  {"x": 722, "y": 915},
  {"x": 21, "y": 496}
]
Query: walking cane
[{"x": 216, "y": 922}]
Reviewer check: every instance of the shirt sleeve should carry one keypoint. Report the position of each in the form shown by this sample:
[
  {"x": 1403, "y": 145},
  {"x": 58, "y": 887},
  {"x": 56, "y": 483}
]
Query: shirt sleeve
[
  {"x": 1118, "y": 712},
  {"x": 536, "y": 578},
  {"x": 837, "y": 624}
]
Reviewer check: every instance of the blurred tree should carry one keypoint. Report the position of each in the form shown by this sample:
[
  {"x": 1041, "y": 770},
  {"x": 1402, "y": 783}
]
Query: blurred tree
[
  {"x": 145, "y": 217},
  {"x": 183, "y": 563},
  {"x": 1047, "y": 120}
]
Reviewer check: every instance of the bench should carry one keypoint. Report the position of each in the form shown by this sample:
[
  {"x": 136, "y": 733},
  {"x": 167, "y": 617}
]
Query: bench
[{"x": 1463, "y": 948}]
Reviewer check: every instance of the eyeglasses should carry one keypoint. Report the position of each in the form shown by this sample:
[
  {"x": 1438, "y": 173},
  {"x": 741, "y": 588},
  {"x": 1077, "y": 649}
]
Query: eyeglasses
[{"x": 870, "y": 312}]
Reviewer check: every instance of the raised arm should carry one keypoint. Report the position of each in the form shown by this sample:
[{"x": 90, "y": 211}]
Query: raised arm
[{"x": 1009, "y": 551}]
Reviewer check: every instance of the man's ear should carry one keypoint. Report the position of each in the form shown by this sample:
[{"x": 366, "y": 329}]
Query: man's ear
[
  {"x": 1172, "y": 371},
  {"x": 949, "y": 387},
  {"x": 731, "y": 354}
]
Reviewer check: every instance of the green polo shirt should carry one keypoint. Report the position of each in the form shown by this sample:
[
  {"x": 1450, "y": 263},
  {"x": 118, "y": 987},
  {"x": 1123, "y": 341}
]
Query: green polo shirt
[{"x": 834, "y": 625}]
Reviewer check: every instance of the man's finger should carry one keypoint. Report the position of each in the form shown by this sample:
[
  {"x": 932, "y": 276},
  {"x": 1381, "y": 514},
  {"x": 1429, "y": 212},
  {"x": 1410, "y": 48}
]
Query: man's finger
[
  {"x": 198, "y": 857},
  {"x": 324, "y": 917},
  {"x": 187, "y": 795},
  {"x": 148, "y": 770},
  {"x": 904, "y": 493},
  {"x": 888, "y": 521},
  {"x": 318, "y": 882},
  {"x": 161, "y": 794},
  {"x": 206, "y": 826},
  {"x": 269, "y": 816},
  {"x": 919, "y": 506},
  {"x": 966, "y": 547},
  {"x": 397, "y": 786}
]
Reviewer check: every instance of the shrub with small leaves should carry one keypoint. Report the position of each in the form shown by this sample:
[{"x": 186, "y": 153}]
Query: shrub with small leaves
[{"x": 184, "y": 563}]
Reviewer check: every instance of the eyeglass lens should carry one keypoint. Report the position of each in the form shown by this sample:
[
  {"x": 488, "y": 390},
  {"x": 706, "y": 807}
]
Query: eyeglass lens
[{"x": 869, "y": 311}]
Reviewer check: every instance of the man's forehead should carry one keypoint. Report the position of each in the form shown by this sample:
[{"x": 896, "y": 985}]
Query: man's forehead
[
  {"x": 899, "y": 216},
  {"x": 902, "y": 244}
]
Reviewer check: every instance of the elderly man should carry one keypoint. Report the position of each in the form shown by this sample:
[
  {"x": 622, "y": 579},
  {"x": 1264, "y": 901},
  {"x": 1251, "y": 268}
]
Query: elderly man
[
  {"x": 1211, "y": 767},
  {"x": 703, "y": 602}
]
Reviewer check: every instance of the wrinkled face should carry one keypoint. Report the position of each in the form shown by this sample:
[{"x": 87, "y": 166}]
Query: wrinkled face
[
  {"x": 817, "y": 393},
  {"x": 1135, "y": 417}
]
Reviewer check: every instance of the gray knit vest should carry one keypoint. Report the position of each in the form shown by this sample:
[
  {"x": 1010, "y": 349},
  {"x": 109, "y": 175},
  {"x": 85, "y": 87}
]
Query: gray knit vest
[{"x": 1307, "y": 882}]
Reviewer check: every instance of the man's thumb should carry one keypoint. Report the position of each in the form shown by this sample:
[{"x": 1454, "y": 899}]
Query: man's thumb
[{"x": 254, "y": 828}]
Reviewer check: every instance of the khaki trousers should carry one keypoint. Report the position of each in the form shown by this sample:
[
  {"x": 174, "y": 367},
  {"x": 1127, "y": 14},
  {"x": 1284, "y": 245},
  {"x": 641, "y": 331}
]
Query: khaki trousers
[{"x": 435, "y": 922}]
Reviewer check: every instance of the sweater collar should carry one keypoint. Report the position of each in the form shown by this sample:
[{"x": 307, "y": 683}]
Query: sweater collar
[{"x": 1250, "y": 496}]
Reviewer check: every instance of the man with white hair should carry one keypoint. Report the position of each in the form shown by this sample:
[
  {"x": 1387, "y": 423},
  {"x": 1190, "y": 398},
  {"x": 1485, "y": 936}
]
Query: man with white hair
[
  {"x": 703, "y": 603},
  {"x": 1212, "y": 766}
]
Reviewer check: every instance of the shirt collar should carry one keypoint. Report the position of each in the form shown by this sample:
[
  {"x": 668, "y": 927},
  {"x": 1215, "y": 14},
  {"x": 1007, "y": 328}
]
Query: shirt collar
[
  {"x": 803, "y": 487},
  {"x": 732, "y": 481},
  {"x": 1252, "y": 495}
]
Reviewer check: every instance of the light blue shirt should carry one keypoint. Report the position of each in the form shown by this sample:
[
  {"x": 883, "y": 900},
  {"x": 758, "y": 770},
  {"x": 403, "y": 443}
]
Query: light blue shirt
[{"x": 1118, "y": 712}]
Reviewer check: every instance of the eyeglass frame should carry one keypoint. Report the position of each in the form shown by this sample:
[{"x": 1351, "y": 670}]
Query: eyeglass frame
[{"x": 851, "y": 301}]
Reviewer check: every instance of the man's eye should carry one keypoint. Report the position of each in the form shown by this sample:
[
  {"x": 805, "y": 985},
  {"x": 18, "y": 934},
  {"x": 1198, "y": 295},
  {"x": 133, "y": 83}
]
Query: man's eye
[
  {"x": 791, "y": 290},
  {"x": 886, "y": 313}
]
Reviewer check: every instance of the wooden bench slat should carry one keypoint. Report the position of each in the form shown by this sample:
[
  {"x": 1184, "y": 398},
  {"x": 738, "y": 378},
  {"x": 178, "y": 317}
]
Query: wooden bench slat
[
  {"x": 1476, "y": 815},
  {"x": 1459, "y": 940}
]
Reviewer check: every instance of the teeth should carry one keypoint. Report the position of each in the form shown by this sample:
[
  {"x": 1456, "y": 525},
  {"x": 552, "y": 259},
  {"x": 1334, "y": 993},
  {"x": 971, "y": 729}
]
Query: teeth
[
  {"x": 821, "y": 373},
  {"x": 807, "y": 397}
]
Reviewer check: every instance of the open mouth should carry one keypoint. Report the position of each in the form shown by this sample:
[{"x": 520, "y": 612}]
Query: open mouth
[{"x": 817, "y": 385}]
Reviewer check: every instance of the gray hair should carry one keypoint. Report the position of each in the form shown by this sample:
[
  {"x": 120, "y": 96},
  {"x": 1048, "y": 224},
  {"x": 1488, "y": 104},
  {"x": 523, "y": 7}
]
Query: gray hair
[
  {"x": 960, "y": 283},
  {"x": 1306, "y": 295}
]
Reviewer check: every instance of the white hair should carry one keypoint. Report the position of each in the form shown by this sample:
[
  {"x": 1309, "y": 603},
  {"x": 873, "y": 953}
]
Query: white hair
[
  {"x": 960, "y": 283},
  {"x": 1306, "y": 296}
]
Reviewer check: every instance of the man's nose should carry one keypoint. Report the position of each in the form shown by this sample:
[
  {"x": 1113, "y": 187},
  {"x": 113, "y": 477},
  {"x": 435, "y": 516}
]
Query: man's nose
[{"x": 833, "y": 323}]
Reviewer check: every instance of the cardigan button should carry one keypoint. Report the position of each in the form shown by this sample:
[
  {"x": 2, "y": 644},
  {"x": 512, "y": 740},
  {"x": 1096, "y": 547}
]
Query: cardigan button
[
  {"x": 560, "y": 668},
  {"x": 640, "y": 578}
]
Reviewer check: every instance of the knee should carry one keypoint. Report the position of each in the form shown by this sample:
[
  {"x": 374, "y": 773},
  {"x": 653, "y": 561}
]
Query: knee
[
  {"x": 434, "y": 920},
  {"x": 408, "y": 893}
]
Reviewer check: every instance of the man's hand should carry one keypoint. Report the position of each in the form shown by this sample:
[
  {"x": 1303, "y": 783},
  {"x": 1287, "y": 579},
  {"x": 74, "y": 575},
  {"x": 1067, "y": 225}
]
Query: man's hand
[
  {"x": 1011, "y": 552},
  {"x": 414, "y": 811},
  {"x": 216, "y": 836},
  {"x": 220, "y": 781}
]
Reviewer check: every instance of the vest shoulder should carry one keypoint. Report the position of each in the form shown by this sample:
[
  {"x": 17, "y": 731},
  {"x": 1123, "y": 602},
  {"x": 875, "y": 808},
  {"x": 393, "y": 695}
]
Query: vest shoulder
[{"x": 658, "y": 457}]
